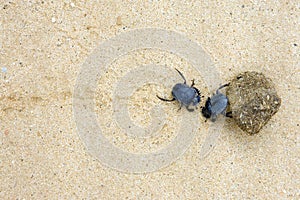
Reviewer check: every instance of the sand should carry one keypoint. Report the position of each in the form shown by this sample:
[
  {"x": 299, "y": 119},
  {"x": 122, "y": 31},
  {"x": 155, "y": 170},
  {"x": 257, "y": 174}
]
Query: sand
[{"x": 46, "y": 44}]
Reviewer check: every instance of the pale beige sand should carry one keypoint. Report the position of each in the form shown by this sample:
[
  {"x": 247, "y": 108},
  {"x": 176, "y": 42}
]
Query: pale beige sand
[{"x": 43, "y": 45}]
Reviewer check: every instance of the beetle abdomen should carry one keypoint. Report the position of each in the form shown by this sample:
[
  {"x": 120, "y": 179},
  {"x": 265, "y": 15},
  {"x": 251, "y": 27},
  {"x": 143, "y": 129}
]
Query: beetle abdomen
[{"x": 219, "y": 103}]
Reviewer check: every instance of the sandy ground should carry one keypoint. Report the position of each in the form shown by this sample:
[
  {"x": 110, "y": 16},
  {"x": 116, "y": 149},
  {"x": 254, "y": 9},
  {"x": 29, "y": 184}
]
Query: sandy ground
[{"x": 43, "y": 46}]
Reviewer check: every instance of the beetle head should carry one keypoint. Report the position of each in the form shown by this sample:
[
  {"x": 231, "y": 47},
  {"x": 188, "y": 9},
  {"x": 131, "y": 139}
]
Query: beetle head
[{"x": 206, "y": 111}]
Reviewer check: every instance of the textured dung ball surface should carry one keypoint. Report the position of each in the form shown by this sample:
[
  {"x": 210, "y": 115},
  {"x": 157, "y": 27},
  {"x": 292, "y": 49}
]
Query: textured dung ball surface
[{"x": 253, "y": 100}]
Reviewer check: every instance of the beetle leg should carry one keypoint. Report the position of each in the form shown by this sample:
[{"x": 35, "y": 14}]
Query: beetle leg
[
  {"x": 165, "y": 99},
  {"x": 193, "y": 82},
  {"x": 213, "y": 118},
  {"x": 197, "y": 91},
  {"x": 181, "y": 75},
  {"x": 222, "y": 86},
  {"x": 229, "y": 114},
  {"x": 179, "y": 107},
  {"x": 189, "y": 109}
]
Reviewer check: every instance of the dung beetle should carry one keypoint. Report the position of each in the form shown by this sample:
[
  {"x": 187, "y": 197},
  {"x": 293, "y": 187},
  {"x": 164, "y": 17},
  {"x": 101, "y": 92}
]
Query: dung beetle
[
  {"x": 184, "y": 94},
  {"x": 215, "y": 105}
]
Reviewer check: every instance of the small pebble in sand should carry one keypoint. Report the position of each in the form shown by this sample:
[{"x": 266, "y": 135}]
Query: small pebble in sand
[
  {"x": 119, "y": 21},
  {"x": 4, "y": 69},
  {"x": 253, "y": 101},
  {"x": 53, "y": 20},
  {"x": 6, "y": 132}
]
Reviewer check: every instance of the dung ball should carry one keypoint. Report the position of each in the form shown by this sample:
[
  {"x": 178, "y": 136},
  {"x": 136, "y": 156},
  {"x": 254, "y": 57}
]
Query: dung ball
[{"x": 253, "y": 100}]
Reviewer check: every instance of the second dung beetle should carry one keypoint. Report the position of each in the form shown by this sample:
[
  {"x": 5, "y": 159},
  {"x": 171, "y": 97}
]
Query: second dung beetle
[
  {"x": 215, "y": 105},
  {"x": 186, "y": 95}
]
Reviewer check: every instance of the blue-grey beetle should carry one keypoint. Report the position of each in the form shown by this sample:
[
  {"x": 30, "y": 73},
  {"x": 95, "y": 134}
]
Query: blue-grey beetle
[
  {"x": 215, "y": 105},
  {"x": 184, "y": 94}
]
